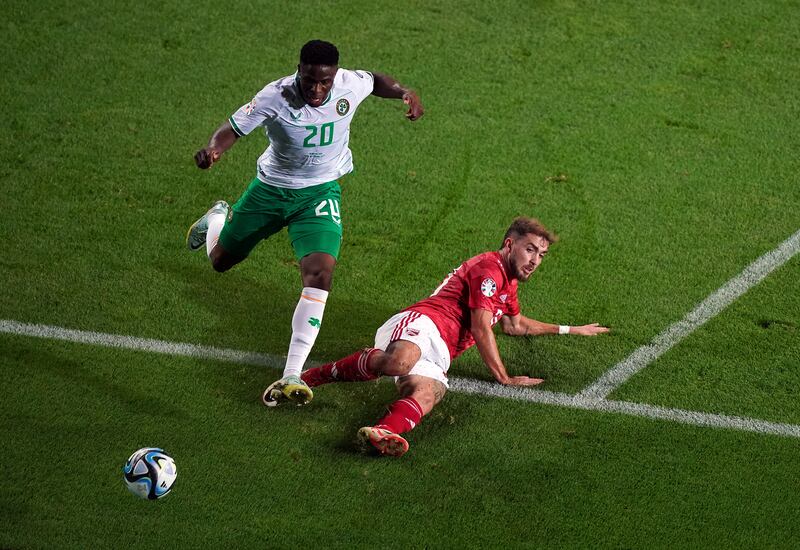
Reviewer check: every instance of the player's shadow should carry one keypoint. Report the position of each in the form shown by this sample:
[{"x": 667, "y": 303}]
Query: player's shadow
[
  {"x": 72, "y": 378},
  {"x": 260, "y": 311},
  {"x": 241, "y": 312}
]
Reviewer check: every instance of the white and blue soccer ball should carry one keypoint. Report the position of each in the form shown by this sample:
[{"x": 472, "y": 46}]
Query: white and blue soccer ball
[{"x": 150, "y": 473}]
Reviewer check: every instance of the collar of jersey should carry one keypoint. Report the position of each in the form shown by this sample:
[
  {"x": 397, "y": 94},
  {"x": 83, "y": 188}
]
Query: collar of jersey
[{"x": 297, "y": 85}]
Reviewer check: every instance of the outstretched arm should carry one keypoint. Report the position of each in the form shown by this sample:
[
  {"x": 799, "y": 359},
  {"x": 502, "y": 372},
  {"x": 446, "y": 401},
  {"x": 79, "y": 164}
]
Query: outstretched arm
[
  {"x": 519, "y": 325},
  {"x": 222, "y": 140},
  {"x": 481, "y": 329},
  {"x": 388, "y": 87}
]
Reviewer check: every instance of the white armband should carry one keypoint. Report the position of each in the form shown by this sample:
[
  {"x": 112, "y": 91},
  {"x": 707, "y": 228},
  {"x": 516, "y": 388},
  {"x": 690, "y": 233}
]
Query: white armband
[{"x": 563, "y": 329}]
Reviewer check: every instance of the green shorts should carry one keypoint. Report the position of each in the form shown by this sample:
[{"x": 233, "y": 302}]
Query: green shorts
[{"x": 312, "y": 214}]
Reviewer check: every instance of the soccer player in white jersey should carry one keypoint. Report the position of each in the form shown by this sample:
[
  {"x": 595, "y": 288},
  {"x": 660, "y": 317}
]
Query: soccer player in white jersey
[
  {"x": 307, "y": 119},
  {"x": 417, "y": 345}
]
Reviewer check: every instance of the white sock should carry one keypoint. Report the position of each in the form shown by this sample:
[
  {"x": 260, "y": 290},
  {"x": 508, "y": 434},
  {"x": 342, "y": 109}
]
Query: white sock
[
  {"x": 215, "y": 224},
  {"x": 305, "y": 326}
]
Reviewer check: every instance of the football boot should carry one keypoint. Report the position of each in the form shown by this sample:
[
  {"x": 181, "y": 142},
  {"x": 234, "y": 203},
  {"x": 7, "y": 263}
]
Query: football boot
[
  {"x": 196, "y": 236},
  {"x": 289, "y": 389}
]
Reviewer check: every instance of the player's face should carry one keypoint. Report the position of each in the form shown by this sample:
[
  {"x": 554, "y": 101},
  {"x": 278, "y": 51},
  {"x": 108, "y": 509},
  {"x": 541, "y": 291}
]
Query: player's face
[
  {"x": 315, "y": 82},
  {"x": 525, "y": 254}
]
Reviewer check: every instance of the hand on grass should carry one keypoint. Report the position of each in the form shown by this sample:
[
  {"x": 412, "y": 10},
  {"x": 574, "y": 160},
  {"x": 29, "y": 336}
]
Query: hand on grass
[
  {"x": 592, "y": 329},
  {"x": 523, "y": 381}
]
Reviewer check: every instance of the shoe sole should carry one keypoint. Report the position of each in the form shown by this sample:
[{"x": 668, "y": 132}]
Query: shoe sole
[
  {"x": 278, "y": 394},
  {"x": 189, "y": 234},
  {"x": 389, "y": 445}
]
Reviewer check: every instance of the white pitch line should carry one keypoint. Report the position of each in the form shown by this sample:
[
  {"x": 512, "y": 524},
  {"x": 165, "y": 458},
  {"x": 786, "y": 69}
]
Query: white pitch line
[
  {"x": 460, "y": 385},
  {"x": 695, "y": 418},
  {"x": 707, "y": 309},
  {"x": 141, "y": 344}
]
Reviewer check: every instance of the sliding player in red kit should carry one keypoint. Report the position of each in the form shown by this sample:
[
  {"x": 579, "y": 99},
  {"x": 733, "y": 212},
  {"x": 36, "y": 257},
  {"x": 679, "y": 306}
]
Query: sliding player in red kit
[{"x": 417, "y": 345}]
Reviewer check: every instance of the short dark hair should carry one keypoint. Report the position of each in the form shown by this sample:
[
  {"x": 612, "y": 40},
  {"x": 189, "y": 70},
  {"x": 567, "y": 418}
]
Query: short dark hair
[
  {"x": 319, "y": 52},
  {"x": 525, "y": 226}
]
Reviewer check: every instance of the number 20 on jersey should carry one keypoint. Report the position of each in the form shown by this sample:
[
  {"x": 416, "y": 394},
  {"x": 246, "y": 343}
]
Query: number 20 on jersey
[{"x": 324, "y": 135}]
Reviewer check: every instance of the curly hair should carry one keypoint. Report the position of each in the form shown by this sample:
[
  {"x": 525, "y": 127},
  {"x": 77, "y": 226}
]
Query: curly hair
[{"x": 319, "y": 52}]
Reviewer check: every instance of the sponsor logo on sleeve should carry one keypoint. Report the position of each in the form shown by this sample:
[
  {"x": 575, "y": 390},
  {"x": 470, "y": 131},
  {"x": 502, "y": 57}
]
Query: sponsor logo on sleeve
[
  {"x": 250, "y": 107},
  {"x": 342, "y": 107},
  {"x": 488, "y": 287}
]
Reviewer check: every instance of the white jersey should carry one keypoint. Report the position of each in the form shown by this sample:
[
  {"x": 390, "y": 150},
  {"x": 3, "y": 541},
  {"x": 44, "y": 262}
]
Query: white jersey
[{"x": 307, "y": 145}]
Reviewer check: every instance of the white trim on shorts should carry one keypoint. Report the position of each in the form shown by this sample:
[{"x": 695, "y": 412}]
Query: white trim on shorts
[{"x": 420, "y": 330}]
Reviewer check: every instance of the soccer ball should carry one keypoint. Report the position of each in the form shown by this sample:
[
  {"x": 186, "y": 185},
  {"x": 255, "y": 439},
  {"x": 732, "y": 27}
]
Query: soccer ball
[{"x": 149, "y": 473}]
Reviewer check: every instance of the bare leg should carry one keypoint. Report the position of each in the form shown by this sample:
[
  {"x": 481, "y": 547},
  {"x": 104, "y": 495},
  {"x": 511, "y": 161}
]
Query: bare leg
[
  {"x": 398, "y": 359},
  {"x": 316, "y": 270},
  {"x": 222, "y": 260},
  {"x": 425, "y": 391}
]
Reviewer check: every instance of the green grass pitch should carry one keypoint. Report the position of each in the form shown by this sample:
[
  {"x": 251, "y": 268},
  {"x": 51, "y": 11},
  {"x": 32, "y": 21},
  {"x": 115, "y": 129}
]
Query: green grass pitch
[{"x": 659, "y": 140}]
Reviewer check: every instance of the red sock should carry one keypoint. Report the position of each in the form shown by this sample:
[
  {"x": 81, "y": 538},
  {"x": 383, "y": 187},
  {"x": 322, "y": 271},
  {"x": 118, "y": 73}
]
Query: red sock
[
  {"x": 403, "y": 416},
  {"x": 353, "y": 368}
]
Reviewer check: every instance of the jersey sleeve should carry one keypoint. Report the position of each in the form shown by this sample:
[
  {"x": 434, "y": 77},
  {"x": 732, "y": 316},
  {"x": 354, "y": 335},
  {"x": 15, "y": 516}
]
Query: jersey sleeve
[
  {"x": 483, "y": 281},
  {"x": 261, "y": 109},
  {"x": 362, "y": 83}
]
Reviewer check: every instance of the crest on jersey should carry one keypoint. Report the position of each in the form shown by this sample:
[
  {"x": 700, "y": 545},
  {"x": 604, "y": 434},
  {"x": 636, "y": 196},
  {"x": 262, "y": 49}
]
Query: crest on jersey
[
  {"x": 342, "y": 106},
  {"x": 250, "y": 107},
  {"x": 488, "y": 287},
  {"x": 503, "y": 298}
]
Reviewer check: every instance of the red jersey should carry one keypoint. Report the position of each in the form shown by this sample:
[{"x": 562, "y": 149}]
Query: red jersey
[{"x": 479, "y": 283}]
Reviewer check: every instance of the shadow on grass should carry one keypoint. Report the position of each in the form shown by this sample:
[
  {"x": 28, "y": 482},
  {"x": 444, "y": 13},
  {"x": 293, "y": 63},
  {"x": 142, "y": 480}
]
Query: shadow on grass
[
  {"x": 71, "y": 377},
  {"x": 259, "y": 311}
]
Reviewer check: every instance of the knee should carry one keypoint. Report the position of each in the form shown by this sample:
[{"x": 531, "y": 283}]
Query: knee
[
  {"x": 221, "y": 260},
  {"x": 395, "y": 365},
  {"x": 318, "y": 278},
  {"x": 316, "y": 270}
]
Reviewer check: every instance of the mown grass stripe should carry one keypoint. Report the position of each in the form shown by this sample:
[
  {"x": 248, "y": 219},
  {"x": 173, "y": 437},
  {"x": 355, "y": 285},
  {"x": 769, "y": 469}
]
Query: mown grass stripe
[
  {"x": 460, "y": 385},
  {"x": 707, "y": 309}
]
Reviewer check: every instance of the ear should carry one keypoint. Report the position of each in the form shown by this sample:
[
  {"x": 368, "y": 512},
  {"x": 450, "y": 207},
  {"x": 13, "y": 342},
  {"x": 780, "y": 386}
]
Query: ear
[{"x": 507, "y": 243}]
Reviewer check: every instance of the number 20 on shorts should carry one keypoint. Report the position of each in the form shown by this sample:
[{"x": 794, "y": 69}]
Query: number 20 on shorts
[{"x": 329, "y": 207}]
